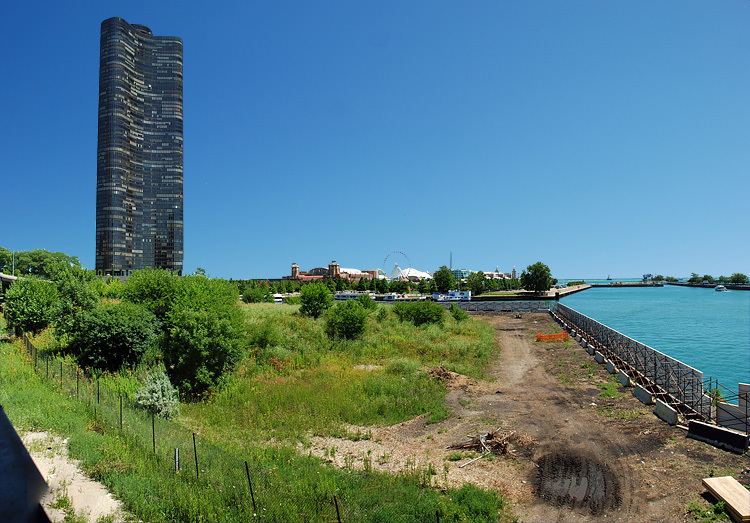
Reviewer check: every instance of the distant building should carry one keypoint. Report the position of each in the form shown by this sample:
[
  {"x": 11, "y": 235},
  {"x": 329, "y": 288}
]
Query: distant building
[
  {"x": 461, "y": 274},
  {"x": 333, "y": 271},
  {"x": 497, "y": 274}
]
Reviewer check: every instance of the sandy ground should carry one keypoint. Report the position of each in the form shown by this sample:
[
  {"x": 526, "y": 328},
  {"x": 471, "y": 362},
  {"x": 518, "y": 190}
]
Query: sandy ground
[
  {"x": 575, "y": 456},
  {"x": 70, "y": 490}
]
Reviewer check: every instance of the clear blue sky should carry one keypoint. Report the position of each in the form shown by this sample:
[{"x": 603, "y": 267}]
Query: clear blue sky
[{"x": 599, "y": 137}]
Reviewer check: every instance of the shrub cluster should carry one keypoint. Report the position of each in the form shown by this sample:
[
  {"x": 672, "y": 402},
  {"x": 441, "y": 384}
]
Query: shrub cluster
[
  {"x": 193, "y": 323},
  {"x": 315, "y": 299},
  {"x": 346, "y": 320},
  {"x": 112, "y": 336},
  {"x": 30, "y": 304},
  {"x": 419, "y": 312}
]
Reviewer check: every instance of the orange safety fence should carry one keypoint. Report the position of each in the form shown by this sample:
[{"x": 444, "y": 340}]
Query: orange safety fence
[{"x": 558, "y": 336}]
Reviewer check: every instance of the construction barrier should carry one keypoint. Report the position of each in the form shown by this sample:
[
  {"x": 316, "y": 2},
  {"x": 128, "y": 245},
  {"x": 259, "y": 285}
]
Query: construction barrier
[{"x": 557, "y": 336}]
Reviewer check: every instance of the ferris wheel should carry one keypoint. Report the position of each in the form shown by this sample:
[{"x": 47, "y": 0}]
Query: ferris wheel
[{"x": 397, "y": 259}]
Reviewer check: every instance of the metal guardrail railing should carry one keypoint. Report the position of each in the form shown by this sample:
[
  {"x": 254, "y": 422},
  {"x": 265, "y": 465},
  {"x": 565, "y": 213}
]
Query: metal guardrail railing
[{"x": 670, "y": 380}]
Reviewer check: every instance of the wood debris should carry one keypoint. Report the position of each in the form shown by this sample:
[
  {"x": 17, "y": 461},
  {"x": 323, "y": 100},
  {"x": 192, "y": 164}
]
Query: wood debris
[{"x": 494, "y": 442}]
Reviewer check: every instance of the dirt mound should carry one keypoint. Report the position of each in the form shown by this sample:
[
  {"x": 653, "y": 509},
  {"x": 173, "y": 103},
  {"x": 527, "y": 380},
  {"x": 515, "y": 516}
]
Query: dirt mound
[
  {"x": 578, "y": 481},
  {"x": 442, "y": 374},
  {"x": 452, "y": 380}
]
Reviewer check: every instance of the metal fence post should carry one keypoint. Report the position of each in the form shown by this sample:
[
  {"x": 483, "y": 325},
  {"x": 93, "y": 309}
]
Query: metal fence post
[
  {"x": 121, "y": 411},
  {"x": 61, "y": 373},
  {"x": 176, "y": 460},
  {"x": 336, "y": 504},
  {"x": 153, "y": 431},
  {"x": 195, "y": 455},
  {"x": 252, "y": 494}
]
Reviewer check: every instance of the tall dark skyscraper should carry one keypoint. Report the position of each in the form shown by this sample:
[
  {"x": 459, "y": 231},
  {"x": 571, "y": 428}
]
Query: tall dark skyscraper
[{"x": 139, "y": 171}]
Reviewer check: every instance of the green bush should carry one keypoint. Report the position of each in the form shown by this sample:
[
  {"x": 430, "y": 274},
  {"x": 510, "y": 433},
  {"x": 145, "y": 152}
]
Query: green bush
[
  {"x": 254, "y": 293},
  {"x": 458, "y": 313},
  {"x": 113, "y": 289},
  {"x": 30, "y": 304},
  {"x": 366, "y": 301},
  {"x": 346, "y": 320},
  {"x": 201, "y": 344},
  {"x": 382, "y": 314},
  {"x": 292, "y": 300},
  {"x": 315, "y": 299},
  {"x": 77, "y": 296},
  {"x": 265, "y": 335},
  {"x": 158, "y": 396},
  {"x": 111, "y": 336},
  {"x": 155, "y": 289},
  {"x": 419, "y": 312}
]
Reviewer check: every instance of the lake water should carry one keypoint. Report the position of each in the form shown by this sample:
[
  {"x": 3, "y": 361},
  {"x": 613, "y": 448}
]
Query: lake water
[{"x": 706, "y": 329}]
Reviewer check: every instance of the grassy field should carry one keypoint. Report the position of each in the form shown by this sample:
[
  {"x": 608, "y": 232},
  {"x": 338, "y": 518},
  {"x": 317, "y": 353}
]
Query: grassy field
[
  {"x": 295, "y": 383},
  {"x": 300, "y": 383}
]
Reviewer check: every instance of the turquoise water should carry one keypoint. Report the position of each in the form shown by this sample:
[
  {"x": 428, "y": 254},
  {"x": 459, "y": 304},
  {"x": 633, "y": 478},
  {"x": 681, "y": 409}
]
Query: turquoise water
[{"x": 706, "y": 329}]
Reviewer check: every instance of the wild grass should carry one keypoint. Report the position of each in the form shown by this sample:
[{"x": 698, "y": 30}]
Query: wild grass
[
  {"x": 288, "y": 486},
  {"x": 299, "y": 382},
  {"x": 295, "y": 382},
  {"x": 710, "y": 513},
  {"x": 611, "y": 389}
]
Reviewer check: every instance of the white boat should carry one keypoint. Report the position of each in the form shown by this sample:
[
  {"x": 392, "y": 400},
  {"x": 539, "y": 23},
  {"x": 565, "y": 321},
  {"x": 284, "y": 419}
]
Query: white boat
[
  {"x": 452, "y": 296},
  {"x": 352, "y": 295},
  {"x": 720, "y": 288}
]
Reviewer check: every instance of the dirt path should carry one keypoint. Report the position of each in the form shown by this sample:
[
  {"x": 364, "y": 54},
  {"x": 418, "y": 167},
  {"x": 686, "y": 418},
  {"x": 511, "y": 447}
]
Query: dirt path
[
  {"x": 584, "y": 449},
  {"x": 72, "y": 496}
]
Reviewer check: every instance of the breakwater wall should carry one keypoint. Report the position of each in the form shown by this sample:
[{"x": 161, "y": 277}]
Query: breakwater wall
[
  {"x": 731, "y": 286},
  {"x": 625, "y": 285},
  {"x": 494, "y": 306}
]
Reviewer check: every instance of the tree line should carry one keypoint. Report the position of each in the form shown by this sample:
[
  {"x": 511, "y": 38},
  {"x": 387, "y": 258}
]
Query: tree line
[
  {"x": 254, "y": 291},
  {"x": 737, "y": 278}
]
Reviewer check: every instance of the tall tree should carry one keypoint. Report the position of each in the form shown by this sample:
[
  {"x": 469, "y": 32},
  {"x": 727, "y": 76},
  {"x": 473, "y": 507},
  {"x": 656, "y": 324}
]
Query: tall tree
[
  {"x": 477, "y": 283},
  {"x": 537, "y": 278},
  {"x": 444, "y": 279}
]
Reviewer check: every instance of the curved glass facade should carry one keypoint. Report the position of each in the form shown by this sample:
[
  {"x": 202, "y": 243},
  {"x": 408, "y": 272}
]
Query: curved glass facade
[{"x": 139, "y": 169}]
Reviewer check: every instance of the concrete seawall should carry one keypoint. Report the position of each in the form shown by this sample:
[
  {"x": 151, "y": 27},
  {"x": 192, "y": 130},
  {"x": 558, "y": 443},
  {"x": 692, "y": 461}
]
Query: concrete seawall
[{"x": 676, "y": 389}]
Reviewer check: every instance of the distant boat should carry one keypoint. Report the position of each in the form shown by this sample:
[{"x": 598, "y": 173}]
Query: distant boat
[
  {"x": 609, "y": 277},
  {"x": 720, "y": 288}
]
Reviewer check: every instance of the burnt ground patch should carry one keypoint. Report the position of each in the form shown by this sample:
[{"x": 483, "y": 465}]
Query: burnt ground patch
[{"x": 577, "y": 480}]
